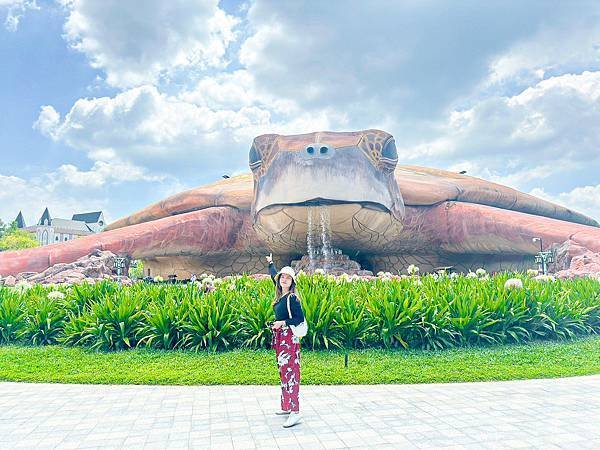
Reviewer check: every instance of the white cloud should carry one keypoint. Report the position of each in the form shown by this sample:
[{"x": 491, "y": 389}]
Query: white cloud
[
  {"x": 396, "y": 63},
  {"x": 547, "y": 132},
  {"x": 15, "y": 11},
  {"x": 137, "y": 43},
  {"x": 101, "y": 173},
  {"x": 234, "y": 90},
  {"x": 572, "y": 43},
  {"x": 69, "y": 189},
  {"x": 584, "y": 199},
  {"x": 170, "y": 134},
  {"x": 144, "y": 125},
  {"x": 47, "y": 121},
  {"x": 32, "y": 196}
]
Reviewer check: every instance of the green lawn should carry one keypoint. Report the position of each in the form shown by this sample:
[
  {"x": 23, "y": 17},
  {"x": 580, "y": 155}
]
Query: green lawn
[{"x": 75, "y": 365}]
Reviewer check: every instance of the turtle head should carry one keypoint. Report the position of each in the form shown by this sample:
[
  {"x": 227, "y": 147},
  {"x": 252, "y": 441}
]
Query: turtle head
[{"x": 350, "y": 175}]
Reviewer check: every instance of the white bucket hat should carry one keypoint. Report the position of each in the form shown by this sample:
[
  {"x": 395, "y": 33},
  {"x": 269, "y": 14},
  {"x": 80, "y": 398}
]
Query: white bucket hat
[{"x": 287, "y": 270}]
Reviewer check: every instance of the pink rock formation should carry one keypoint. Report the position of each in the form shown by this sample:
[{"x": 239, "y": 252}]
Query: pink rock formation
[{"x": 94, "y": 267}]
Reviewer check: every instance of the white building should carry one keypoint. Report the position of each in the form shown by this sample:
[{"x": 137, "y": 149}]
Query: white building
[{"x": 53, "y": 231}]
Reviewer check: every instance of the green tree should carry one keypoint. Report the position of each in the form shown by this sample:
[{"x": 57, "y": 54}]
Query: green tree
[
  {"x": 12, "y": 238},
  {"x": 3, "y": 228},
  {"x": 136, "y": 270}
]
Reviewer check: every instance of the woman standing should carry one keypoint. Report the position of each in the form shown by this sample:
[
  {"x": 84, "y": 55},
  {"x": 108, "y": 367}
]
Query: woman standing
[{"x": 285, "y": 344}]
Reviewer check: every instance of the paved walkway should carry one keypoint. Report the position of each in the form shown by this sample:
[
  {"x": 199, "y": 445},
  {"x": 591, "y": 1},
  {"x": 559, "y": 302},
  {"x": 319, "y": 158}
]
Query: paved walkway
[{"x": 562, "y": 413}]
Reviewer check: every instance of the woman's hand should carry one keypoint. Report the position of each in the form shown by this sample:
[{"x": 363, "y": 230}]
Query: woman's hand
[
  {"x": 269, "y": 258},
  {"x": 278, "y": 324}
]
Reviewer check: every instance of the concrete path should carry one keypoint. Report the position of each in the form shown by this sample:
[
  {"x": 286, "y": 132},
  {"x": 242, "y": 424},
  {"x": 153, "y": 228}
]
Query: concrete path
[{"x": 545, "y": 414}]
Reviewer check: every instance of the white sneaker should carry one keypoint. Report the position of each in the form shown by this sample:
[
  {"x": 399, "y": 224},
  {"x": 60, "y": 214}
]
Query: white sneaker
[
  {"x": 292, "y": 419},
  {"x": 281, "y": 412}
]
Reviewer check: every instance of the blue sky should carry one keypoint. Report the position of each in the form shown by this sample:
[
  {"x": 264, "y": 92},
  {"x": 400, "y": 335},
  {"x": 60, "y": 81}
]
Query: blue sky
[{"x": 109, "y": 105}]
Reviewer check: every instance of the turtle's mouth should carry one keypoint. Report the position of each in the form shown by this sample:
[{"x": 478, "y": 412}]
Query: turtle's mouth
[
  {"x": 349, "y": 224},
  {"x": 321, "y": 202}
]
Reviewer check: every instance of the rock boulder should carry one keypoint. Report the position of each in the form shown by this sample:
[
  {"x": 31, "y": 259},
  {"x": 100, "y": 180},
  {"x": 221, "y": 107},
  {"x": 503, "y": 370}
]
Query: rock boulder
[{"x": 96, "y": 266}]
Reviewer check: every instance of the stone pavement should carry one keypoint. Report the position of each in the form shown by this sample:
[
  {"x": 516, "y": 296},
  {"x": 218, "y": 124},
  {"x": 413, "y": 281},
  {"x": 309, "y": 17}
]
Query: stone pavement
[{"x": 560, "y": 413}]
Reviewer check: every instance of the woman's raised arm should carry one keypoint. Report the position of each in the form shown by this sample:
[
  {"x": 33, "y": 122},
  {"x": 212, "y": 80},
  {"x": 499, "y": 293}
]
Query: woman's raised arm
[{"x": 272, "y": 269}]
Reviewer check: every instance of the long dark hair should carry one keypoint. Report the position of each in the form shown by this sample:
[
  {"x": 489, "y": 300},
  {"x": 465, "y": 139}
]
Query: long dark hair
[{"x": 279, "y": 291}]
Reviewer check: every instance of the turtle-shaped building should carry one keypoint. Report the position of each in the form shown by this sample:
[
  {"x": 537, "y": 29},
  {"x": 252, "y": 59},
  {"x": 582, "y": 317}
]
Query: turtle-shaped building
[{"x": 345, "y": 187}]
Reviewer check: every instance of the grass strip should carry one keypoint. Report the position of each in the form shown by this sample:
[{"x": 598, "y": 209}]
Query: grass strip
[{"x": 56, "y": 364}]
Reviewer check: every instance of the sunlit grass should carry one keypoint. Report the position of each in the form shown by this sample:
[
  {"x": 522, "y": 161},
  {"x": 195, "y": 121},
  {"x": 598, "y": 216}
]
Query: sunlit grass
[{"x": 57, "y": 364}]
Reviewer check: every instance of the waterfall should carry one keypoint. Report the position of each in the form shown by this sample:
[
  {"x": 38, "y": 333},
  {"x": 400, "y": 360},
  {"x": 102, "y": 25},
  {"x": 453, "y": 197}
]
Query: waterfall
[
  {"x": 310, "y": 240},
  {"x": 326, "y": 236},
  {"x": 320, "y": 251}
]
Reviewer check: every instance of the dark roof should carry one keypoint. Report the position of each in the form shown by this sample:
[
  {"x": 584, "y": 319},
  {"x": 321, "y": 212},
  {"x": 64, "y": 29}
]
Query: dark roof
[
  {"x": 91, "y": 217},
  {"x": 46, "y": 215},
  {"x": 20, "y": 221}
]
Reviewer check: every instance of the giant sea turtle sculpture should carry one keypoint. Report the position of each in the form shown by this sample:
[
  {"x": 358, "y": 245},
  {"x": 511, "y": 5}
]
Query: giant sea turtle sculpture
[{"x": 345, "y": 187}]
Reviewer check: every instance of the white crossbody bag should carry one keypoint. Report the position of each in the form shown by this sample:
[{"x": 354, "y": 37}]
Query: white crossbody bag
[{"x": 301, "y": 329}]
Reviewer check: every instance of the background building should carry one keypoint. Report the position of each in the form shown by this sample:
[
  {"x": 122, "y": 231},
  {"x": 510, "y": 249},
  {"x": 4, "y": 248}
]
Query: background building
[{"x": 53, "y": 231}]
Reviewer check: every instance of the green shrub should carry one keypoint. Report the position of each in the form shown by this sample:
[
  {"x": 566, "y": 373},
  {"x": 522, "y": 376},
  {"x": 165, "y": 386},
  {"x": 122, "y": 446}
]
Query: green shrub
[
  {"x": 12, "y": 316},
  {"x": 209, "y": 323},
  {"x": 45, "y": 320},
  {"x": 427, "y": 312},
  {"x": 113, "y": 321},
  {"x": 255, "y": 308},
  {"x": 319, "y": 307}
]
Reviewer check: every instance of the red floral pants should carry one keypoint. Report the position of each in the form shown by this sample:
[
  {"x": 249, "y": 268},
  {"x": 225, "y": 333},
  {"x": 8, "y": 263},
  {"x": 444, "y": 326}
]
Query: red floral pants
[{"x": 287, "y": 352}]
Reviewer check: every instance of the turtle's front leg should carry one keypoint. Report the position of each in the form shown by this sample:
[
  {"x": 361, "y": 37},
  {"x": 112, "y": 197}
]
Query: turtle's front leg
[
  {"x": 468, "y": 236},
  {"x": 205, "y": 234},
  {"x": 477, "y": 229}
]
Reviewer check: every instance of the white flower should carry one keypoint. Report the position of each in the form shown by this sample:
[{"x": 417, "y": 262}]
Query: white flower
[
  {"x": 22, "y": 286},
  {"x": 380, "y": 273},
  {"x": 545, "y": 278},
  {"x": 532, "y": 272},
  {"x": 480, "y": 272},
  {"x": 412, "y": 269},
  {"x": 319, "y": 271},
  {"x": 55, "y": 295},
  {"x": 471, "y": 275},
  {"x": 158, "y": 279},
  {"x": 453, "y": 276},
  {"x": 513, "y": 283},
  {"x": 344, "y": 278}
]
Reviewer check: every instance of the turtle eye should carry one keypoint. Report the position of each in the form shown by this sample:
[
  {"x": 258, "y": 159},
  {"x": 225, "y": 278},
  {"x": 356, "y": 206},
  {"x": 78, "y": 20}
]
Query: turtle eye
[
  {"x": 389, "y": 151},
  {"x": 254, "y": 158}
]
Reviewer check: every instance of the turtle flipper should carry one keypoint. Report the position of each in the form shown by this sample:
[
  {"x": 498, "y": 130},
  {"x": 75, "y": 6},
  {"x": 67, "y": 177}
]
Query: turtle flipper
[
  {"x": 235, "y": 191},
  {"x": 205, "y": 233},
  {"x": 421, "y": 186},
  {"x": 478, "y": 229}
]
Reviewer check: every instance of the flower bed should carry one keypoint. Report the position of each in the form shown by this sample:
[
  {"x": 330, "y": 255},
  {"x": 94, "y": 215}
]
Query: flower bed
[{"x": 428, "y": 312}]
